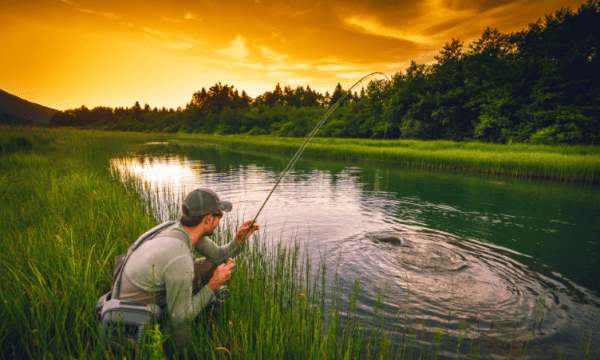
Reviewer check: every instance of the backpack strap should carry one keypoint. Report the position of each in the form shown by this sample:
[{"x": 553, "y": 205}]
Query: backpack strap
[
  {"x": 177, "y": 235},
  {"x": 149, "y": 235},
  {"x": 155, "y": 232}
]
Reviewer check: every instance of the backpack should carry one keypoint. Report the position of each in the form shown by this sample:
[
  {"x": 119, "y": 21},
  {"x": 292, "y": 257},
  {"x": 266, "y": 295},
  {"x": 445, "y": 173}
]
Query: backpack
[{"x": 124, "y": 323}]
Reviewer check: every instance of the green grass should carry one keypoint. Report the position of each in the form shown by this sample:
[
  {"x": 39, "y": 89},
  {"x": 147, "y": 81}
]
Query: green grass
[
  {"x": 64, "y": 217},
  {"x": 565, "y": 163}
]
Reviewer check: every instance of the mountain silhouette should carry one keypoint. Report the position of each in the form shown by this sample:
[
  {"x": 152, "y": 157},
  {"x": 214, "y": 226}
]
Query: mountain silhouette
[{"x": 13, "y": 109}]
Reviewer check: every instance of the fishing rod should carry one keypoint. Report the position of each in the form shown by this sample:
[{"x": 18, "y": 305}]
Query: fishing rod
[{"x": 309, "y": 138}]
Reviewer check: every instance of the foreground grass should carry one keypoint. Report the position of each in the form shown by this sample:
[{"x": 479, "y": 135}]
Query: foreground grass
[
  {"x": 64, "y": 218},
  {"x": 565, "y": 163}
]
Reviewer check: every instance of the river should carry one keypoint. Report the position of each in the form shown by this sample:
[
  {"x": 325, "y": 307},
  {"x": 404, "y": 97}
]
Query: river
[{"x": 494, "y": 259}]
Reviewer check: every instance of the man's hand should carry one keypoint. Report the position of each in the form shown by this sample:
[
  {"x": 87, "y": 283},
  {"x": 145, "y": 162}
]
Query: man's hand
[
  {"x": 244, "y": 229},
  {"x": 221, "y": 276}
]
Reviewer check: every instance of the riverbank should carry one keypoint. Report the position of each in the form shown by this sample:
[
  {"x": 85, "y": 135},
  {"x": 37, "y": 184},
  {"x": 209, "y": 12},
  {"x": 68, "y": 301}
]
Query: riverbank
[
  {"x": 65, "y": 217},
  {"x": 563, "y": 163}
]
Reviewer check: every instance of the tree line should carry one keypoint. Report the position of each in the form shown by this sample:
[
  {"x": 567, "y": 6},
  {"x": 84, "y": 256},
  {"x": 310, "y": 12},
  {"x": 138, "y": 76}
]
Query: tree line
[{"x": 540, "y": 85}]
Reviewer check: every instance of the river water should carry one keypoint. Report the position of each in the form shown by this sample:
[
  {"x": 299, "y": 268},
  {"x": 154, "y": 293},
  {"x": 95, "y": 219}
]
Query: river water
[{"x": 499, "y": 260}]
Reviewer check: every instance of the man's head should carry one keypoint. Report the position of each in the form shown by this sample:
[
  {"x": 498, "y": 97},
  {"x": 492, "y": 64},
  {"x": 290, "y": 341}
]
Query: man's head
[{"x": 202, "y": 202}]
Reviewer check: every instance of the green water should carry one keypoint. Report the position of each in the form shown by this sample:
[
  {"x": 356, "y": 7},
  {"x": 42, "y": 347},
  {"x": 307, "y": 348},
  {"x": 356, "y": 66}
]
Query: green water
[
  {"x": 556, "y": 224},
  {"x": 487, "y": 245}
]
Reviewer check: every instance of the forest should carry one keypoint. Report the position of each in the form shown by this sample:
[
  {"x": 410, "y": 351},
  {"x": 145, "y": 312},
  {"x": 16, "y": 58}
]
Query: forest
[{"x": 540, "y": 85}]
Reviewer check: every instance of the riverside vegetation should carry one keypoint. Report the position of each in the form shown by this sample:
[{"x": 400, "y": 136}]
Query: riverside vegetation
[
  {"x": 564, "y": 162},
  {"x": 65, "y": 217}
]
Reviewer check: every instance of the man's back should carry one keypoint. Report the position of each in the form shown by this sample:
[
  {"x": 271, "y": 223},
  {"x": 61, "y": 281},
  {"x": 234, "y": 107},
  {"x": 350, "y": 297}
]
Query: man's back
[{"x": 165, "y": 264}]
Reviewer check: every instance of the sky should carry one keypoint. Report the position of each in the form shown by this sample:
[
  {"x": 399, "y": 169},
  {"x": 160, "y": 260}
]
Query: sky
[{"x": 68, "y": 53}]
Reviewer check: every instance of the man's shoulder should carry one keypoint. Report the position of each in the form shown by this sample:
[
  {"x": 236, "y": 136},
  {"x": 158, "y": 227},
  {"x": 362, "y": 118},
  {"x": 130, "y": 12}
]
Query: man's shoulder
[
  {"x": 177, "y": 231},
  {"x": 172, "y": 238},
  {"x": 161, "y": 251},
  {"x": 158, "y": 252},
  {"x": 175, "y": 227}
]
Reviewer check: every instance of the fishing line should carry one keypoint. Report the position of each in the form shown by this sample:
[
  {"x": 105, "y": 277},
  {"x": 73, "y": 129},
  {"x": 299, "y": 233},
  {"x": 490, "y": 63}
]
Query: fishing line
[{"x": 309, "y": 138}]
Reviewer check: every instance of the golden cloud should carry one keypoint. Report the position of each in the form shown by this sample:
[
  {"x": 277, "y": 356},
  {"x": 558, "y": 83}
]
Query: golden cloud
[
  {"x": 237, "y": 50},
  {"x": 273, "y": 55},
  {"x": 373, "y": 27},
  {"x": 172, "y": 41}
]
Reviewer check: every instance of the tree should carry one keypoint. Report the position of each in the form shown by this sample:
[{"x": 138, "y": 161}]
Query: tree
[
  {"x": 61, "y": 118},
  {"x": 136, "y": 111},
  {"x": 338, "y": 93},
  {"x": 199, "y": 100},
  {"x": 275, "y": 97}
]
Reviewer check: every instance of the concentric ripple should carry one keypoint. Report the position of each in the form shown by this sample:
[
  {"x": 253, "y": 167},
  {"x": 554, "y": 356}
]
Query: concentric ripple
[
  {"x": 453, "y": 281},
  {"x": 423, "y": 250}
]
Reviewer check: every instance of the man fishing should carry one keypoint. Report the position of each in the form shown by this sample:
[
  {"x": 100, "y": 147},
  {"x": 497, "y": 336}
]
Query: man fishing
[{"x": 164, "y": 269}]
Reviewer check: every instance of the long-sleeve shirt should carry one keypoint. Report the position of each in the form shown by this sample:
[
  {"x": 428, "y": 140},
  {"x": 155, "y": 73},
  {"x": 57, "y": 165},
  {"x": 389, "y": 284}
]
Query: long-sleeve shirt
[{"x": 167, "y": 263}]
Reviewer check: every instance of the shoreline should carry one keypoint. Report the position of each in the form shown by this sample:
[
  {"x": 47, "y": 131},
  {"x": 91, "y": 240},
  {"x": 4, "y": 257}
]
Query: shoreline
[
  {"x": 65, "y": 202},
  {"x": 561, "y": 163}
]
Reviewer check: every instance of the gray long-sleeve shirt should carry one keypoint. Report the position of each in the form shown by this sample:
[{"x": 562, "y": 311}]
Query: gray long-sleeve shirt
[{"x": 168, "y": 264}]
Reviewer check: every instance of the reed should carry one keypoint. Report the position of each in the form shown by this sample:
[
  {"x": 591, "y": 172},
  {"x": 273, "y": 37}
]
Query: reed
[
  {"x": 565, "y": 163},
  {"x": 64, "y": 217}
]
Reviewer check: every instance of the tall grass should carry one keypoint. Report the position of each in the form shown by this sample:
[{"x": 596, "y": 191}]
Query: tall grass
[
  {"x": 64, "y": 217},
  {"x": 565, "y": 163}
]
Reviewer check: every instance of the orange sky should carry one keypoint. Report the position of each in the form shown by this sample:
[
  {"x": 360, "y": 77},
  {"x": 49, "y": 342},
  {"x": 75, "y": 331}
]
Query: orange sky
[{"x": 63, "y": 54}]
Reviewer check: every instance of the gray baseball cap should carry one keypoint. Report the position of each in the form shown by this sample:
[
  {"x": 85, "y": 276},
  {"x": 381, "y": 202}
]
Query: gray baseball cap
[{"x": 205, "y": 201}]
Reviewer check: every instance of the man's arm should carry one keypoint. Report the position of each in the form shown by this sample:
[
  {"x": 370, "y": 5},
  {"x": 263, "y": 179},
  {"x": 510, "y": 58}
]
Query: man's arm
[
  {"x": 178, "y": 276},
  {"x": 220, "y": 254},
  {"x": 215, "y": 253}
]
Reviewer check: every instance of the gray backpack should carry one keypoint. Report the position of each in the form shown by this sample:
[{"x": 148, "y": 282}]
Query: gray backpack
[{"x": 123, "y": 322}]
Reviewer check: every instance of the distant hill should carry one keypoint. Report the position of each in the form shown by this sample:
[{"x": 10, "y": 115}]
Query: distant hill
[{"x": 13, "y": 109}]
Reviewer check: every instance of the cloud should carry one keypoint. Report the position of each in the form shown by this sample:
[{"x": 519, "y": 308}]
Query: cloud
[
  {"x": 354, "y": 75},
  {"x": 339, "y": 67},
  {"x": 237, "y": 50},
  {"x": 372, "y": 26},
  {"x": 273, "y": 55},
  {"x": 108, "y": 15},
  {"x": 111, "y": 15},
  {"x": 185, "y": 18},
  {"x": 172, "y": 41},
  {"x": 430, "y": 23},
  {"x": 150, "y": 39},
  {"x": 286, "y": 67}
]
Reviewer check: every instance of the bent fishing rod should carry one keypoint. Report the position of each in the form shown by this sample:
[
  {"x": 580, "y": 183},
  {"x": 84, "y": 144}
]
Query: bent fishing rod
[{"x": 309, "y": 138}]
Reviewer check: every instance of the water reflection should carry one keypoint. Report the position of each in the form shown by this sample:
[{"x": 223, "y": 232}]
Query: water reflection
[{"x": 492, "y": 256}]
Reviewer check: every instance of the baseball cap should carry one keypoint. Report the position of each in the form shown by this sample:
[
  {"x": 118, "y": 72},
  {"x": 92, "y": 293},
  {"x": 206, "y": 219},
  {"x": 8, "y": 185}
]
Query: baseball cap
[{"x": 205, "y": 201}]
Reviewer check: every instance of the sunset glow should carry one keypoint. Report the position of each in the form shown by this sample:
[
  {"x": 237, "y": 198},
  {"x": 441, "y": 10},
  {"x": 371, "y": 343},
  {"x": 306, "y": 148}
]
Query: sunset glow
[{"x": 64, "y": 54}]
